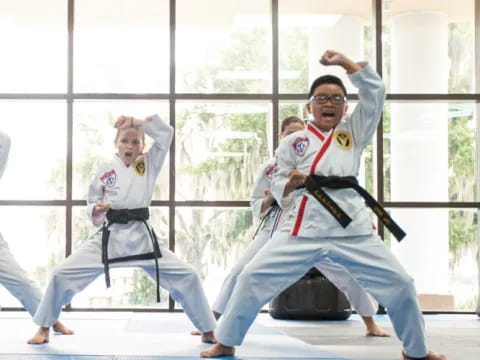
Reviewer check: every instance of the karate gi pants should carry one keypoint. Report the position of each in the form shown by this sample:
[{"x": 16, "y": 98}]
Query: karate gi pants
[
  {"x": 285, "y": 259},
  {"x": 84, "y": 266}
]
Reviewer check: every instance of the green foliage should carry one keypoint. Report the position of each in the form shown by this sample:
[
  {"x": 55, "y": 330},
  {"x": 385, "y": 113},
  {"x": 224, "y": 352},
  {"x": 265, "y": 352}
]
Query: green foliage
[
  {"x": 460, "y": 51},
  {"x": 293, "y": 47},
  {"x": 463, "y": 233},
  {"x": 463, "y": 225},
  {"x": 247, "y": 52},
  {"x": 462, "y": 185},
  {"x": 297, "y": 109},
  {"x": 230, "y": 176},
  {"x": 144, "y": 289}
]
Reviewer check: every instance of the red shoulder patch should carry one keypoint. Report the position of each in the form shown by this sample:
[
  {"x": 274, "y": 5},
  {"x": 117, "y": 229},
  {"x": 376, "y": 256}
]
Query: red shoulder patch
[
  {"x": 300, "y": 145},
  {"x": 109, "y": 178}
]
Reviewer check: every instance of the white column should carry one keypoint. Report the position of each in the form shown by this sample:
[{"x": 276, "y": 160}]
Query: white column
[{"x": 419, "y": 146}]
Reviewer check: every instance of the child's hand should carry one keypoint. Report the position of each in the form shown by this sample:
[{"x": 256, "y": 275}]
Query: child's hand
[
  {"x": 296, "y": 179},
  {"x": 269, "y": 198},
  {"x": 100, "y": 207},
  {"x": 129, "y": 122},
  {"x": 331, "y": 57},
  {"x": 124, "y": 122},
  {"x": 268, "y": 194}
]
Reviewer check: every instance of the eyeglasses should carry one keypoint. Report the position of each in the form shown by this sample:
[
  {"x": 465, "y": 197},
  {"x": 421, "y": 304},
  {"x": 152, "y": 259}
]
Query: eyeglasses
[{"x": 322, "y": 99}]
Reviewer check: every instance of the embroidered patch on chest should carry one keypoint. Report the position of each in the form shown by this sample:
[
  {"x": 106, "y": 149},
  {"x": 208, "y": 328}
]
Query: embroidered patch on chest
[
  {"x": 270, "y": 170},
  {"x": 109, "y": 178},
  {"x": 300, "y": 145},
  {"x": 139, "y": 166},
  {"x": 343, "y": 139}
]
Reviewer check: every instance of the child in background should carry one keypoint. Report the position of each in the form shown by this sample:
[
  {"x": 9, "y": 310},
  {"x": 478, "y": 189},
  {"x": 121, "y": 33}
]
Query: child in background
[{"x": 327, "y": 152}]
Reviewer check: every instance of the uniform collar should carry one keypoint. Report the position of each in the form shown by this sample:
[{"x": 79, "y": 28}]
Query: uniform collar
[{"x": 317, "y": 132}]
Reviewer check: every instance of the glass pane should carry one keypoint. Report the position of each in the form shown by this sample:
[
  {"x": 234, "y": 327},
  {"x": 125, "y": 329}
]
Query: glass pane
[
  {"x": 440, "y": 34},
  {"x": 430, "y": 152},
  {"x": 219, "y": 147},
  {"x": 293, "y": 108},
  {"x": 212, "y": 239},
  {"x": 308, "y": 28},
  {"x": 37, "y": 160},
  {"x": 449, "y": 237},
  {"x": 130, "y": 287},
  {"x": 121, "y": 46},
  {"x": 37, "y": 247},
  {"x": 94, "y": 135},
  {"x": 227, "y": 50},
  {"x": 33, "y": 39}
]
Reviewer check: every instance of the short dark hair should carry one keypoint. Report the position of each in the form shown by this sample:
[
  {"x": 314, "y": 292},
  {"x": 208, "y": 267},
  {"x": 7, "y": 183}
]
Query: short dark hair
[
  {"x": 326, "y": 79},
  {"x": 290, "y": 120}
]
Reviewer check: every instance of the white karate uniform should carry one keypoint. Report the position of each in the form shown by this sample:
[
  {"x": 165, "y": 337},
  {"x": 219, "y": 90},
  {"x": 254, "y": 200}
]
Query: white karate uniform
[
  {"x": 337, "y": 274},
  {"x": 127, "y": 188},
  {"x": 12, "y": 276},
  {"x": 309, "y": 234}
]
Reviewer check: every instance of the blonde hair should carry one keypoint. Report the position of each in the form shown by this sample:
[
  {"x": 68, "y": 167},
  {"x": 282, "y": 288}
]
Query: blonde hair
[{"x": 140, "y": 131}]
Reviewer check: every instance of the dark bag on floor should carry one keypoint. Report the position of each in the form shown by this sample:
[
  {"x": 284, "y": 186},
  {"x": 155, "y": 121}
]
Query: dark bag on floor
[{"x": 313, "y": 297}]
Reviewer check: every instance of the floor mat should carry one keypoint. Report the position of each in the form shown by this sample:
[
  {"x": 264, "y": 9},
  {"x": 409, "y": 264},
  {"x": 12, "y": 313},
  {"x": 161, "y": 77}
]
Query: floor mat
[{"x": 143, "y": 336}]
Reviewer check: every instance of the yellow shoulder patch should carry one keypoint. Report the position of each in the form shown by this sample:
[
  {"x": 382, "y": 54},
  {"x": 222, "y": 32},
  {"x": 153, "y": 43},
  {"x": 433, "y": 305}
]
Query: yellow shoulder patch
[
  {"x": 139, "y": 166},
  {"x": 343, "y": 139}
]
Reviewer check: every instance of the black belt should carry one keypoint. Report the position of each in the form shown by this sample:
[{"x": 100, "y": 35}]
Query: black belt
[
  {"x": 123, "y": 216},
  {"x": 273, "y": 207},
  {"x": 314, "y": 184}
]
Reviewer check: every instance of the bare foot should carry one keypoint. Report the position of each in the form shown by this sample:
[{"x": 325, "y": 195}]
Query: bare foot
[
  {"x": 42, "y": 336},
  {"x": 218, "y": 350},
  {"x": 430, "y": 356},
  {"x": 195, "y": 332},
  {"x": 209, "y": 337},
  {"x": 62, "y": 329},
  {"x": 376, "y": 330}
]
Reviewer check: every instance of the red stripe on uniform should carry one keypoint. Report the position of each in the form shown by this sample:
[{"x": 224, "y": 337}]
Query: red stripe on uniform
[
  {"x": 300, "y": 216},
  {"x": 316, "y": 132},
  {"x": 320, "y": 154}
]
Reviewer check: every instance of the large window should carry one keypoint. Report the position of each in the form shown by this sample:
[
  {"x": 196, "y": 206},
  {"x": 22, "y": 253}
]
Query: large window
[{"x": 224, "y": 74}]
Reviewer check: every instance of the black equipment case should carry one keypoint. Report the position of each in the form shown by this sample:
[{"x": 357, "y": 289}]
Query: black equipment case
[{"x": 313, "y": 297}]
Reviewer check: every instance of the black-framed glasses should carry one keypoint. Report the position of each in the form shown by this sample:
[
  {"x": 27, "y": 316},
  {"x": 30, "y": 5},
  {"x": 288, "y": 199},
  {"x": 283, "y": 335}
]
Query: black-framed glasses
[{"x": 334, "y": 99}]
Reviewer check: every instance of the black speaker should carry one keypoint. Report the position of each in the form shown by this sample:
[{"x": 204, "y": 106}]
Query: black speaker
[{"x": 313, "y": 297}]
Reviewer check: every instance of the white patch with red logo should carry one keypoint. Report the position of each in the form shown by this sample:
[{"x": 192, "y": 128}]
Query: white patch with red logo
[
  {"x": 109, "y": 178},
  {"x": 300, "y": 145},
  {"x": 270, "y": 170}
]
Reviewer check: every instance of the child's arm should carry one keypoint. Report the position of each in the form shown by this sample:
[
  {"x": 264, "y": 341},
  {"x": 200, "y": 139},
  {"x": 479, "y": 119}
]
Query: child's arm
[
  {"x": 331, "y": 57},
  {"x": 159, "y": 131},
  {"x": 371, "y": 92},
  {"x": 96, "y": 207},
  {"x": 262, "y": 199},
  {"x": 283, "y": 184},
  {"x": 4, "y": 151}
]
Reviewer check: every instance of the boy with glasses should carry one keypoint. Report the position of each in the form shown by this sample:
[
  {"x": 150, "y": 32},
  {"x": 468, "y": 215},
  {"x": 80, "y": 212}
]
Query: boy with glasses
[{"x": 328, "y": 220}]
